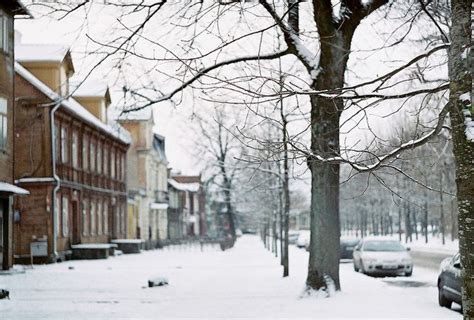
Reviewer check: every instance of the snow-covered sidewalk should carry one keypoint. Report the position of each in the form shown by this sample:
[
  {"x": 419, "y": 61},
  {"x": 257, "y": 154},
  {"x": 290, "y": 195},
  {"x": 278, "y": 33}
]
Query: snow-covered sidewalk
[{"x": 242, "y": 283}]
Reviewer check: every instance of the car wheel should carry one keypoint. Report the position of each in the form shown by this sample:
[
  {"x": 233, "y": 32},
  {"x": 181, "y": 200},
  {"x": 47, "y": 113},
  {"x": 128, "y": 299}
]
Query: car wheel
[
  {"x": 442, "y": 300},
  {"x": 355, "y": 268},
  {"x": 409, "y": 273}
]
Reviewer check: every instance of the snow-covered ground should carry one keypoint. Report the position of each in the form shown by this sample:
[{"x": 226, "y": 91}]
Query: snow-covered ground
[{"x": 242, "y": 283}]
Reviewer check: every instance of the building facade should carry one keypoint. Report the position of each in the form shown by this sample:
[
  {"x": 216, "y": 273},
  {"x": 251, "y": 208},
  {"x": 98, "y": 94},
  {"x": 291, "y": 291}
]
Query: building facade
[
  {"x": 177, "y": 200},
  {"x": 194, "y": 211},
  {"x": 70, "y": 160},
  {"x": 8, "y": 11},
  {"x": 147, "y": 175}
]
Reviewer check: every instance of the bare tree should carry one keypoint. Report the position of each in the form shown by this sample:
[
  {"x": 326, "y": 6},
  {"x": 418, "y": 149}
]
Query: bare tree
[{"x": 322, "y": 53}]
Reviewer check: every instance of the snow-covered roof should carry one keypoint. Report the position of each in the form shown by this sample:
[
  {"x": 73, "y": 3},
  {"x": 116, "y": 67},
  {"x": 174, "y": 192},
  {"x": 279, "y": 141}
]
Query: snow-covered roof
[
  {"x": 10, "y": 188},
  {"x": 191, "y": 187},
  {"x": 145, "y": 114},
  {"x": 89, "y": 88},
  {"x": 74, "y": 107},
  {"x": 40, "y": 52}
]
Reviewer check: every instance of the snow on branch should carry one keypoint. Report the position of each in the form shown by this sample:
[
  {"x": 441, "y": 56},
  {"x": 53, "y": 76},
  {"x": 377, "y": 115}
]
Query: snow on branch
[{"x": 380, "y": 160}]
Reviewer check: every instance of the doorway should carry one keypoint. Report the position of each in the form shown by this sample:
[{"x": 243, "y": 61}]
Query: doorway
[{"x": 76, "y": 223}]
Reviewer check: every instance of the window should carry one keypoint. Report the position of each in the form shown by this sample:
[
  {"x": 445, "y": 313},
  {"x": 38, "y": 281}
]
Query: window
[
  {"x": 99, "y": 217},
  {"x": 106, "y": 218},
  {"x": 92, "y": 155},
  {"x": 85, "y": 228},
  {"x": 64, "y": 145},
  {"x": 85, "y": 155},
  {"x": 75, "y": 142},
  {"x": 123, "y": 166},
  {"x": 65, "y": 206},
  {"x": 57, "y": 209},
  {"x": 93, "y": 218},
  {"x": 99, "y": 158},
  {"x": 122, "y": 219},
  {"x": 112, "y": 164},
  {"x": 4, "y": 32},
  {"x": 106, "y": 161},
  {"x": 57, "y": 141},
  {"x": 3, "y": 123}
]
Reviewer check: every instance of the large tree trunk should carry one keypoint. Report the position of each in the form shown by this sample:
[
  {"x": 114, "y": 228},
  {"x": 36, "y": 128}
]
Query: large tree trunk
[
  {"x": 324, "y": 256},
  {"x": 461, "y": 84}
]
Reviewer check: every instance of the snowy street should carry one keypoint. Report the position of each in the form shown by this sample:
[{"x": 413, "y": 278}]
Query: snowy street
[{"x": 244, "y": 282}]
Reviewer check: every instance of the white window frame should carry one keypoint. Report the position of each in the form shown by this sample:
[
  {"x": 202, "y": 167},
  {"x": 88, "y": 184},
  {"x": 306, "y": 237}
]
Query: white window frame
[
  {"x": 64, "y": 145},
  {"x": 3, "y": 123},
  {"x": 4, "y": 32},
  {"x": 93, "y": 217},
  {"x": 74, "y": 147},
  {"x": 85, "y": 154},
  {"x": 85, "y": 229},
  {"x": 92, "y": 153},
  {"x": 65, "y": 215},
  {"x": 99, "y": 157},
  {"x": 99, "y": 217},
  {"x": 112, "y": 164},
  {"x": 106, "y": 217}
]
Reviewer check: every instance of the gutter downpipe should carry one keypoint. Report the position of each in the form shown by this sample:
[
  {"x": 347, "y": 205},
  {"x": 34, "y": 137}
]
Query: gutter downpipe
[{"x": 57, "y": 181}]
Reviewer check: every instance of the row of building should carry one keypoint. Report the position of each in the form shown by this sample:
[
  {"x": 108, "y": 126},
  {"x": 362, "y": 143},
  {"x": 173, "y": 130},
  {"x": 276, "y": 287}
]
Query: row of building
[{"x": 69, "y": 175}]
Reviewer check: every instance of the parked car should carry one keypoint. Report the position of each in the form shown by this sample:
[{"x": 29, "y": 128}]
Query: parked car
[
  {"x": 303, "y": 239},
  {"x": 379, "y": 256},
  {"x": 293, "y": 237},
  {"x": 249, "y": 231},
  {"x": 347, "y": 247},
  {"x": 449, "y": 282},
  {"x": 238, "y": 232}
]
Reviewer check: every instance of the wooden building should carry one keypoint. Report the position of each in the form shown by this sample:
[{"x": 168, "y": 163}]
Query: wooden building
[
  {"x": 8, "y": 11},
  {"x": 70, "y": 159}
]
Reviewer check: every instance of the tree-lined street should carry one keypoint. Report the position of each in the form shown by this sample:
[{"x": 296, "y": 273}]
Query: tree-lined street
[{"x": 243, "y": 282}]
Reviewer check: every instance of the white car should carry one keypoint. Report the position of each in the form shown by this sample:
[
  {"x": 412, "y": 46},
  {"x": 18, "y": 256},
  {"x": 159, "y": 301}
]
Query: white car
[
  {"x": 382, "y": 257},
  {"x": 303, "y": 239}
]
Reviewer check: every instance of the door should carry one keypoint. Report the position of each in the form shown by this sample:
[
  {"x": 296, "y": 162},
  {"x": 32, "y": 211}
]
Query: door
[
  {"x": 2, "y": 241},
  {"x": 5, "y": 234},
  {"x": 76, "y": 223}
]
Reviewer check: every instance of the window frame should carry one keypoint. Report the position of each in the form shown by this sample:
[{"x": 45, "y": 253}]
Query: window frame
[
  {"x": 75, "y": 149},
  {"x": 3, "y": 123},
  {"x": 64, "y": 144},
  {"x": 65, "y": 215}
]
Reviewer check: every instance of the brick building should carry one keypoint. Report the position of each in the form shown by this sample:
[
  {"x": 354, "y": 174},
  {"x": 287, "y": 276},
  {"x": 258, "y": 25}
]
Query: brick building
[
  {"x": 8, "y": 11},
  {"x": 71, "y": 160}
]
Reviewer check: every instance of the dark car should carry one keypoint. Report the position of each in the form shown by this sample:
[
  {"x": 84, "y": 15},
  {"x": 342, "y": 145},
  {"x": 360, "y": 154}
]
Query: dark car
[
  {"x": 347, "y": 247},
  {"x": 449, "y": 282}
]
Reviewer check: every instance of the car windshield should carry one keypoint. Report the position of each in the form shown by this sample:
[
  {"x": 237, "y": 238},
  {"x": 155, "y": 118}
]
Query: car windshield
[
  {"x": 349, "y": 242},
  {"x": 383, "y": 246}
]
